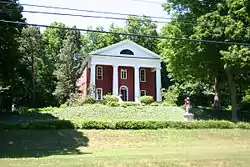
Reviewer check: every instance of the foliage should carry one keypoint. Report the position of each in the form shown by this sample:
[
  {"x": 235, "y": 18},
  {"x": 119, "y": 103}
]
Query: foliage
[
  {"x": 110, "y": 98},
  {"x": 34, "y": 60},
  {"x": 99, "y": 111},
  {"x": 208, "y": 63},
  {"x": 155, "y": 104},
  {"x": 87, "y": 100},
  {"x": 83, "y": 124},
  {"x": 11, "y": 70},
  {"x": 77, "y": 99},
  {"x": 127, "y": 104},
  {"x": 243, "y": 125},
  {"x": 147, "y": 99},
  {"x": 53, "y": 39},
  {"x": 70, "y": 59},
  {"x": 112, "y": 104},
  {"x": 245, "y": 103},
  {"x": 170, "y": 96}
]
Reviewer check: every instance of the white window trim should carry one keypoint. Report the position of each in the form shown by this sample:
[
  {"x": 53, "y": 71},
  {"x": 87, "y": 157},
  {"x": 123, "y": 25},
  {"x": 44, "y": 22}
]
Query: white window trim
[
  {"x": 145, "y": 78},
  {"x": 145, "y": 92},
  {"x": 97, "y": 89},
  {"x": 126, "y": 71},
  {"x": 101, "y": 72}
]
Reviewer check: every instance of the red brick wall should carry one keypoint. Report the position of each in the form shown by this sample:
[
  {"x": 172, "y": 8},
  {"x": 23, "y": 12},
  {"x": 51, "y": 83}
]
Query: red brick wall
[
  {"x": 129, "y": 82},
  {"x": 150, "y": 83},
  {"x": 106, "y": 83},
  {"x": 82, "y": 82}
]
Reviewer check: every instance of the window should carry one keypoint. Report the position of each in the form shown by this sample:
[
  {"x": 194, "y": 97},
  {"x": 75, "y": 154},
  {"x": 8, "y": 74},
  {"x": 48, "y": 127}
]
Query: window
[
  {"x": 127, "y": 52},
  {"x": 124, "y": 74},
  {"x": 99, "y": 73},
  {"x": 143, "y": 92},
  {"x": 143, "y": 75},
  {"x": 98, "y": 93}
]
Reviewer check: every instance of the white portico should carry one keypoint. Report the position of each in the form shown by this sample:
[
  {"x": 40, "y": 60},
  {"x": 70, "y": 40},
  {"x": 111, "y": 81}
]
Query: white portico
[{"x": 127, "y": 54}]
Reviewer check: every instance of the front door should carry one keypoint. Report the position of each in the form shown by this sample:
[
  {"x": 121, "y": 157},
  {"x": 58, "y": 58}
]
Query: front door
[{"x": 124, "y": 93}]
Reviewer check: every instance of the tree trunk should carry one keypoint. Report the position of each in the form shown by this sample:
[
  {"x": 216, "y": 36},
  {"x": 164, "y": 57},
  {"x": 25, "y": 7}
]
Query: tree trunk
[
  {"x": 216, "y": 104},
  {"x": 33, "y": 77},
  {"x": 232, "y": 88}
]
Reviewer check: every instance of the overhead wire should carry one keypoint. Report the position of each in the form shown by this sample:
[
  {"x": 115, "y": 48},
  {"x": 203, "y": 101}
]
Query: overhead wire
[
  {"x": 84, "y": 10},
  {"x": 129, "y": 34},
  {"x": 91, "y": 16},
  {"x": 108, "y": 17}
]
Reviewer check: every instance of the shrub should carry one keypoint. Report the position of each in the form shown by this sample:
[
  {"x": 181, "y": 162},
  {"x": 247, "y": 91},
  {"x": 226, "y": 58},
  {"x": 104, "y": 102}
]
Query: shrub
[
  {"x": 245, "y": 103},
  {"x": 87, "y": 100},
  {"x": 84, "y": 124},
  {"x": 73, "y": 99},
  {"x": 79, "y": 100},
  {"x": 243, "y": 125},
  {"x": 155, "y": 104},
  {"x": 110, "y": 98},
  {"x": 147, "y": 99},
  {"x": 112, "y": 104},
  {"x": 170, "y": 96},
  {"x": 63, "y": 106},
  {"x": 22, "y": 110},
  {"x": 126, "y": 104}
]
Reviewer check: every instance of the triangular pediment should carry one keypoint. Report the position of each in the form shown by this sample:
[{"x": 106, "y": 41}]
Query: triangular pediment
[{"x": 126, "y": 48}]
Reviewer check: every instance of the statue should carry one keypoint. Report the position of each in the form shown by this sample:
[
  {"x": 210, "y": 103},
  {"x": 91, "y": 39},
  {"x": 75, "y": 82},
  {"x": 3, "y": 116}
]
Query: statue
[
  {"x": 187, "y": 105},
  {"x": 188, "y": 116}
]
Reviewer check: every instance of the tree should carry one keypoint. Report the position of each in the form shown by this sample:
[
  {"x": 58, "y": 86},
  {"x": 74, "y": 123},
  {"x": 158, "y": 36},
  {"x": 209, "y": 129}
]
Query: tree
[
  {"x": 9, "y": 56},
  {"x": 53, "y": 39},
  {"x": 70, "y": 59},
  {"x": 224, "y": 20},
  {"x": 137, "y": 25},
  {"x": 33, "y": 58}
]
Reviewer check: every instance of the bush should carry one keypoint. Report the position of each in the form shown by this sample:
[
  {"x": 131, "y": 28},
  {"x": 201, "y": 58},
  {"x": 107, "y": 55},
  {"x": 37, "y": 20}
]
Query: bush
[
  {"x": 110, "y": 98},
  {"x": 243, "y": 125},
  {"x": 155, "y": 104},
  {"x": 147, "y": 99},
  {"x": 87, "y": 100},
  {"x": 112, "y": 104},
  {"x": 171, "y": 95},
  {"x": 79, "y": 100},
  {"x": 22, "y": 110},
  {"x": 126, "y": 104},
  {"x": 84, "y": 124},
  {"x": 245, "y": 103}
]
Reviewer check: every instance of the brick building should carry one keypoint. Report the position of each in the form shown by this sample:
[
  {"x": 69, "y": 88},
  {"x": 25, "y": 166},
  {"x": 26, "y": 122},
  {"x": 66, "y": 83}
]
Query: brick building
[{"x": 124, "y": 69}]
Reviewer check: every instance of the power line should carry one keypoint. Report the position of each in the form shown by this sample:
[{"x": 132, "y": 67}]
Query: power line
[
  {"x": 119, "y": 18},
  {"x": 83, "y": 10},
  {"x": 98, "y": 17},
  {"x": 130, "y": 34},
  {"x": 106, "y": 17}
]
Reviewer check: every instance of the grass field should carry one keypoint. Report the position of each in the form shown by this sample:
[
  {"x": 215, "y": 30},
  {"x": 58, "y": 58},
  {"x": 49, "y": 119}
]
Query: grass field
[
  {"x": 101, "y": 112},
  {"x": 69, "y": 148}
]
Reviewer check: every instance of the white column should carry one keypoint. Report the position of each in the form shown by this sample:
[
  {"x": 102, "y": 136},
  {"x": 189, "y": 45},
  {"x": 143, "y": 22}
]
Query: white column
[
  {"x": 137, "y": 84},
  {"x": 158, "y": 85},
  {"x": 115, "y": 80},
  {"x": 92, "y": 80}
]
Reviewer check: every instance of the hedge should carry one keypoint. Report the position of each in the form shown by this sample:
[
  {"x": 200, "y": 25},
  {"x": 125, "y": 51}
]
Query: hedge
[{"x": 84, "y": 124}]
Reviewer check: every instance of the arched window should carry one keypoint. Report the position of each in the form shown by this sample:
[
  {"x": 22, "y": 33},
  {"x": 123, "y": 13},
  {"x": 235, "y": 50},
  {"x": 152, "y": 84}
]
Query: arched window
[{"x": 127, "y": 52}]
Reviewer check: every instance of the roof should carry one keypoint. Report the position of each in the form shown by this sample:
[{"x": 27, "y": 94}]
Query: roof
[{"x": 110, "y": 47}]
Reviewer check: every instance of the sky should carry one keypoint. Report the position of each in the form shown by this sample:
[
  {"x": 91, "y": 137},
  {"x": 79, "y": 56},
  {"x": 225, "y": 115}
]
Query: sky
[{"x": 120, "y": 6}]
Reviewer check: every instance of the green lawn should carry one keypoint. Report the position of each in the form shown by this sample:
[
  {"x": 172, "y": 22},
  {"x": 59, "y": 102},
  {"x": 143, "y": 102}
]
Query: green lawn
[
  {"x": 169, "y": 147},
  {"x": 101, "y": 112}
]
